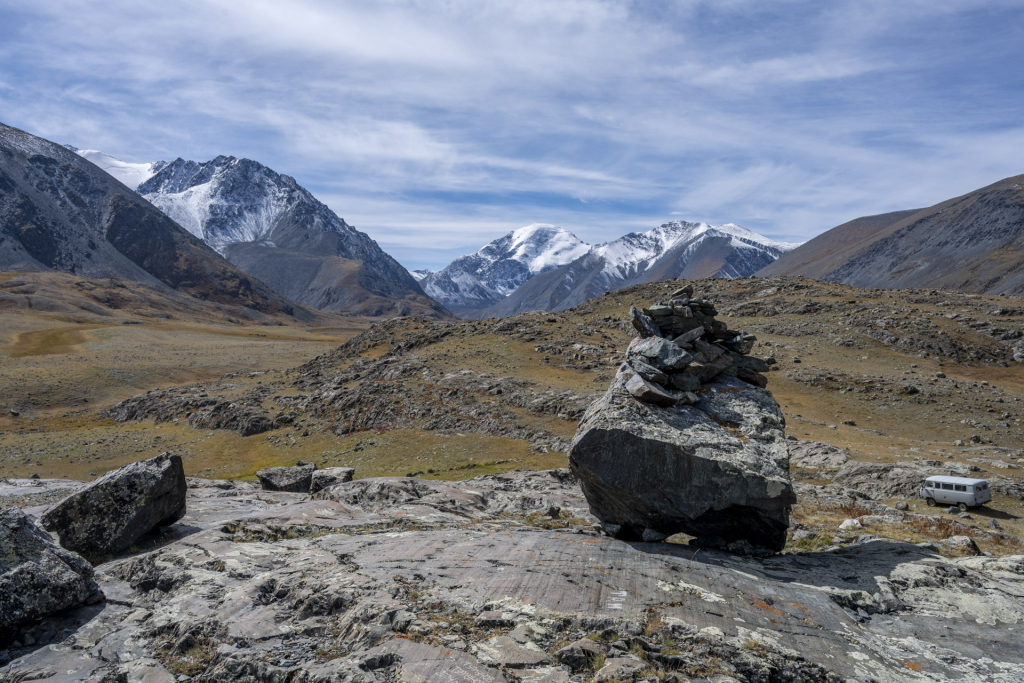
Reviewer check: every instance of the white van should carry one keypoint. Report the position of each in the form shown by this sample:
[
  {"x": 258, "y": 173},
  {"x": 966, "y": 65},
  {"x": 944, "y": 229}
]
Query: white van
[{"x": 959, "y": 491}]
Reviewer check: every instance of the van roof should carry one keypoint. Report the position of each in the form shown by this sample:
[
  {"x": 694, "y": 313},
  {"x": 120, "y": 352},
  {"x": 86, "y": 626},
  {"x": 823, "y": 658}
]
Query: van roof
[{"x": 956, "y": 480}]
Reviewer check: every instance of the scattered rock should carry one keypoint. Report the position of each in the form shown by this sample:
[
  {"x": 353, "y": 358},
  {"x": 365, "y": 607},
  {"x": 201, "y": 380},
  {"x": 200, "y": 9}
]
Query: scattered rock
[
  {"x": 901, "y": 505},
  {"x": 111, "y": 513},
  {"x": 296, "y": 479},
  {"x": 653, "y": 536},
  {"x": 620, "y": 668},
  {"x": 963, "y": 543},
  {"x": 494, "y": 619},
  {"x": 503, "y": 651},
  {"x": 329, "y": 476},
  {"x": 38, "y": 577},
  {"x": 580, "y": 655}
]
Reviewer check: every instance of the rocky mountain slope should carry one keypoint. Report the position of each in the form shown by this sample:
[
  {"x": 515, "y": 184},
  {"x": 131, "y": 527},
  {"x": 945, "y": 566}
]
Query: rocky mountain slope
[
  {"x": 273, "y": 228},
  {"x": 59, "y": 212},
  {"x": 972, "y": 243},
  {"x": 489, "y": 275},
  {"x": 674, "y": 250}
]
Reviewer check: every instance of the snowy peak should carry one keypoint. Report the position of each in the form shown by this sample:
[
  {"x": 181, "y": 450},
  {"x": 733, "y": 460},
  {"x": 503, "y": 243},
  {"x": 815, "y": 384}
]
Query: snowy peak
[
  {"x": 421, "y": 275},
  {"x": 131, "y": 174},
  {"x": 228, "y": 201},
  {"x": 677, "y": 249},
  {"x": 498, "y": 268},
  {"x": 539, "y": 247},
  {"x": 631, "y": 254}
]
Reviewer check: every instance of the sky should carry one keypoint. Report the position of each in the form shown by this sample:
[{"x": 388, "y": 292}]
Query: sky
[{"x": 437, "y": 126}]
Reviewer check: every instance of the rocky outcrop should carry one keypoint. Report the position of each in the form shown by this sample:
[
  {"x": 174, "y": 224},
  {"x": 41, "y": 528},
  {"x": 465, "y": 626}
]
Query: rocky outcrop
[
  {"x": 816, "y": 455},
  {"x": 296, "y": 479},
  {"x": 329, "y": 476},
  {"x": 678, "y": 443},
  {"x": 38, "y": 577},
  {"x": 463, "y": 581},
  {"x": 111, "y": 513}
]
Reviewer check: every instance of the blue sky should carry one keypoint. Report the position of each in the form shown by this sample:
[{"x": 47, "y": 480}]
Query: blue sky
[{"x": 436, "y": 126}]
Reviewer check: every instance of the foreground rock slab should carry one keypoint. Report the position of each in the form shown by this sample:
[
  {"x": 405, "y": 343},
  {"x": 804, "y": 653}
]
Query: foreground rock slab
[
  {"x": 112, "y": 512},
  {"x": 37, "y": 577},
  {"x": 718, "y": 467},
  {"x": 388, "y": 585}
]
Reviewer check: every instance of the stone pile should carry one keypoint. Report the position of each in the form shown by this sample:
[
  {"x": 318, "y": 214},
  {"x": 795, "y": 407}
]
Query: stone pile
[
  {"x": 686, "y": 439},
  {"x": 681, "y": 347}
]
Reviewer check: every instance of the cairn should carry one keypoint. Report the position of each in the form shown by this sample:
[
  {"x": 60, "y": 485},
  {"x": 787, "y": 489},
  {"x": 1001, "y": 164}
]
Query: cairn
[
  {"x": 686, "y": 439},
  {"x": 682, "y": 347}
]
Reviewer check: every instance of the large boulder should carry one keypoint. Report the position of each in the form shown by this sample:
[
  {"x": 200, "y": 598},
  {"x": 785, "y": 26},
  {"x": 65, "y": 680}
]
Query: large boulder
[
  {"x": 329, "y": 476},
  {"x": 296, "y": 479},
  {"x": 37, "y": 576},
  {"x": 111, "y": 513},
  {"x": 718, "y": 467}
]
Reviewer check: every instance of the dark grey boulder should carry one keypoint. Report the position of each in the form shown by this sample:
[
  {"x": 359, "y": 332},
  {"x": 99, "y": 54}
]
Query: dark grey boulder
[
  {"x": 112, "y": 512},
  {"x": 329, "y": 476},
  {"x": 37, "y": 576},
  {"x": 718, "y": 467},
  {"x": 296, "y": 479}
]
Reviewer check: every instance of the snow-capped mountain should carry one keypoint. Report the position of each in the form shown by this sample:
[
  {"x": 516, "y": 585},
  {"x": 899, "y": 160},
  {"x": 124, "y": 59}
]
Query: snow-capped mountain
[
  {"x": 60, "y": 212},
  {"x": 271, "y": 227},
  {"x": 131, "y": 174},
  {"x": 500, "y": 267},
  {"x": 678, "y": 249}
]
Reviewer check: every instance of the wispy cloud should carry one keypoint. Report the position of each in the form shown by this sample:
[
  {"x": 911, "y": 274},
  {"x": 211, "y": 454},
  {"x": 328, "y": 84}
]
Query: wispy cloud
[{"x": 436, "y": 126}]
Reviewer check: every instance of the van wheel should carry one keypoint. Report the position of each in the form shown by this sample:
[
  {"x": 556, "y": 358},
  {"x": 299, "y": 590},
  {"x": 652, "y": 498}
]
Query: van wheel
[
  {"x": 931, "y": 502},
  {"x": 962, "y": 506}
]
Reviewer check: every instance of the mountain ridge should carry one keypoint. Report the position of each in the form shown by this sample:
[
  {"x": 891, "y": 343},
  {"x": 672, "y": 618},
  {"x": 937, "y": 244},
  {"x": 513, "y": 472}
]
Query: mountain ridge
[
  {"x": 498, "y": 268},
  {"x": 970, "y": 243},
  {"x": 677, "y": 249},
  {"x": 238, "y": 205},
  {"x": 60, "y": 212}
]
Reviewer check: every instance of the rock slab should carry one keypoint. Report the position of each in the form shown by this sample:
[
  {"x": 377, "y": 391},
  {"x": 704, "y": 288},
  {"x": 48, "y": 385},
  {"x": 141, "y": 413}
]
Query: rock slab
[
  {"x": 37, "y": 576},
  {"x": 718, "y": 467},
  {"x": 112, "y": 512}
]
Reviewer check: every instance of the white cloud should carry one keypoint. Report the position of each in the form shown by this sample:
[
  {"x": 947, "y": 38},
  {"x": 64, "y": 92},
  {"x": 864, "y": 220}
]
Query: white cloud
[{"x": 435, "y": 124}]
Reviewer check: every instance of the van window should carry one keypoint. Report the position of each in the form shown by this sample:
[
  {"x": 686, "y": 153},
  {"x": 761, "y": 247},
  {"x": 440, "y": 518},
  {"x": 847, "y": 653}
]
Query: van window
[
  {"x": 929, "y": 485},
  {"x": 947, "y": 487},
  {"x": 959, "y": 487}
]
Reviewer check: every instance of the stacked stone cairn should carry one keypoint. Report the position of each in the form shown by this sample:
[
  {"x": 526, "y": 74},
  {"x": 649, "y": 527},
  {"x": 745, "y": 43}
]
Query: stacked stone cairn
[{"x": 681, "y": 347}]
